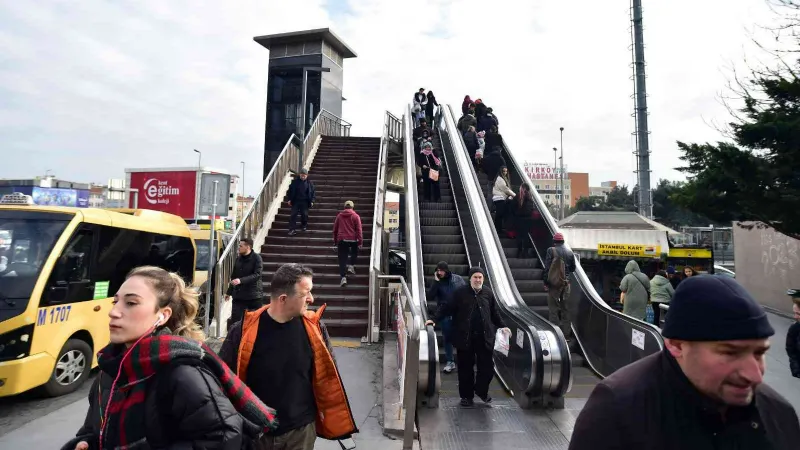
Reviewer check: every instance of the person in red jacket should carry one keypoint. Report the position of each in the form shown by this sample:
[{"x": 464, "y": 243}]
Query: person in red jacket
[{"x": 348, "y": 238}]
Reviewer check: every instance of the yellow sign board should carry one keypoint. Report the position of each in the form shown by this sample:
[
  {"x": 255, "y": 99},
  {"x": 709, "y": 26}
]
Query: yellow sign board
[
  {"x": 629, "y": 250},
  {"x": 701, "y": 253}
]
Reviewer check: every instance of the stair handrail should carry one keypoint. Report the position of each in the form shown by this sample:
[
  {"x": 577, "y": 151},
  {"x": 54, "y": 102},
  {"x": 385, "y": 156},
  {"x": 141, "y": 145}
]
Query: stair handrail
[
  {"x": 376, "y": 251},
  {"x": 256, "y": 214}
]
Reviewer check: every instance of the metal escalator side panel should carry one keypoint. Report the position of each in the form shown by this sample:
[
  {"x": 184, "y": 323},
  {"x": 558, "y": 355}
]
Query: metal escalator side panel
[
  {"x": 608, "y": 338},
  {"x": 429, "y": 376},
  {"x": 523, "y": 369}
]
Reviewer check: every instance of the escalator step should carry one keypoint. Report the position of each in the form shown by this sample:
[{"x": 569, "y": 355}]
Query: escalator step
[
  {"x": 527, "y": 274},
  {"x": 529, "y": 286},
  {"x": 434, "y": 258},
  {"x": 436, "y": 206},
  {"x": 442, "y": 214},
  {"x": 438, "y": 222},
  {"x": 442, "y": 239},
  {"x": 535, "y": 298},
  {"x": 443, "y": 248},
  {"x": 516, "y": 263},
  {"x": 441, "y": 230}
]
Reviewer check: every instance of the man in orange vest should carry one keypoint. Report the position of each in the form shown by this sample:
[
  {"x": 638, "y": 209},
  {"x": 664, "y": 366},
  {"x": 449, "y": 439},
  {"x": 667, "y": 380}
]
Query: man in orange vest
[{"x": 282, "y": 352}]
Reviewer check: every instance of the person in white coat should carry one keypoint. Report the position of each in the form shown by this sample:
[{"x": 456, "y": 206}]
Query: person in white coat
[{"x": 501, "y": 194}]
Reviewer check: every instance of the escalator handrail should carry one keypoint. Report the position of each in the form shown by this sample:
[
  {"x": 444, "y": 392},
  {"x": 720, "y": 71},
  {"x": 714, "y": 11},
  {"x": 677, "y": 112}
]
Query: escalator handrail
[
  {"x": 440, "y": 113},
  {"x": 580, "y": 274},
  {"x": 415, "y": 265},
  {"x": 505, "y": 292},
  {"x": 490, "y": 233}
]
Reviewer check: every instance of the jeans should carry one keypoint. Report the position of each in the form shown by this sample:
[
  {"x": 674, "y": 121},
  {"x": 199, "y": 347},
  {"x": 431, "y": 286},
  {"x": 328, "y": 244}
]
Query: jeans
[
  {"x": 302, "y": 438},
  {"x": 559, "y": 310},
  {"x": 469, "y": 382},
  {"x": 299, "y": 207},
  {"x": 239, "y": 307},
  {"x": 447, "y": 337},
  {"x": 347, "y": 249}
]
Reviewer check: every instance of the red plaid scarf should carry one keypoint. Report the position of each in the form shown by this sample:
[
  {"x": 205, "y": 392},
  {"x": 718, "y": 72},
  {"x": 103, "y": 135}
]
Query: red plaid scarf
[{"x": 122, "y": 419}]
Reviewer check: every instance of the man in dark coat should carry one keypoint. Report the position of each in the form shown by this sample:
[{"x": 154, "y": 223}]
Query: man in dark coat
[
  {"x": 557, "y": 295},
  {"x": 703, "y": 391},
  {"x": 301, "y": 197},
  {"x": 476, "y": 320},
  {"x": 246, "y": 286},
  {"x": 441, "y": 291}
]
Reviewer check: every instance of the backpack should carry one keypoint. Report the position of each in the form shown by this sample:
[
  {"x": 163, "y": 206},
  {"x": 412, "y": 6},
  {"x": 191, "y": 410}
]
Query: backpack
[{"x": 557, "y": 275}]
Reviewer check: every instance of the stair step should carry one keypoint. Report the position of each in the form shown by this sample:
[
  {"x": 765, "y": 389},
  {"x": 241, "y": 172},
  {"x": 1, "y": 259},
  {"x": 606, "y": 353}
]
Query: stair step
[
  {"x": 282, "y": 238},
  {"x": 309, "y": 249},
  {"x": 329, "y": 280},
  {"x": 321, "y": 267}
]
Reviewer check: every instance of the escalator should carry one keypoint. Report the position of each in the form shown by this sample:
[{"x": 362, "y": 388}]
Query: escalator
[{"x": 607, "y": 339}]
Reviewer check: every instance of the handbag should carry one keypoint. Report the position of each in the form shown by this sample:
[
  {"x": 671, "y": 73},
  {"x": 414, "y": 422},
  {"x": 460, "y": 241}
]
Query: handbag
[{"x": 433, "y": 174}]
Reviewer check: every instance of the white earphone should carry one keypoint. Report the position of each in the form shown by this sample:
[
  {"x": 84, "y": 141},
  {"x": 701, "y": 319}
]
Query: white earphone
[{"x": 160, "y": 319}]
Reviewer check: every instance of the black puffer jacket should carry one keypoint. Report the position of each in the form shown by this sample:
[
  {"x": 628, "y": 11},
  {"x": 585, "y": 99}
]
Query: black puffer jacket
[
  {"x": 248, "y": 270},
  {"x": 464, "y": 301},
  {"x": 199, "y": 414},
  {"x": 793, "y": 348}
]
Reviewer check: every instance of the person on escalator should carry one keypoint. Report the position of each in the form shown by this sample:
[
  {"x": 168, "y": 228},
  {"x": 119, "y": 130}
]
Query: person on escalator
[
  {"x": 476, "y": 319},
  {"x": 441, "y": 291},
  {"x": 431, "y": 166},
  {"x": 491, "y": 163},
  {"x": 466, "y": 121},
  {"x": 793, "y": 340},
  {"x": 467, "y": 105},
  {"x": 429, "y": 109},
  {"x": 502, "y": 195},
  {"x": 494, "y": 140},
  {"x": 559, "y": 263},
  {"x": 480, "y": 109},
  {"x": 471, "y": 142},
  {"x": 635, "y": 287},
  {"x": 704, "y": 390},
  {"x": 487, "y": 121},
  {"x": 523, "y": 220}
]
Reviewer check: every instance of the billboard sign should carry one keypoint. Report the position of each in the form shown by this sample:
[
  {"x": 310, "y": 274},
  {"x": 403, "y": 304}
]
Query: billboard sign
[
  {"x": 170, "y": 191},
  {"x": 541, "y": 171},
  {"x": 207, "y": 194},
  {"x": 82, "y": 199},
  {"x": 54, "y": 196}
]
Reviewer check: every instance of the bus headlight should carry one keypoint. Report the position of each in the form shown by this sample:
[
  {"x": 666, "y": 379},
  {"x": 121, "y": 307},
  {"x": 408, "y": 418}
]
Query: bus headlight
[{"x": 16, "y": 344}]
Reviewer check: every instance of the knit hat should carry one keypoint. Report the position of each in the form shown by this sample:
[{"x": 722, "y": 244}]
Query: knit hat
[
  {"x": 711, "y": 308},
  {"x": 349, "y": 204},
  {"x": 442, "y": 265},
  {"x": 671, "y": 270},
  {"x": 303, "y": 171},
  {"x": 558, "y": 237},
  {"x": 475, "y": 270}
]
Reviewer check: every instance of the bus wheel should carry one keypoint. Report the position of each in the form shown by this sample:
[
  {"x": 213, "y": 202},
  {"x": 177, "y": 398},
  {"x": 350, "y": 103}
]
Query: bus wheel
[{"x": 72, "y": 368}]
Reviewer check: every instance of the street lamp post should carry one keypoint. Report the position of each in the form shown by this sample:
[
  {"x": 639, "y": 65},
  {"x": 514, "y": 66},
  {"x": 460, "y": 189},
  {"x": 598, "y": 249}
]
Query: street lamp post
[
  {"x": 212, "y": 253},
  {"x": 244, "y": 195},
  {"x": 555, "y": 165},
  {"x": 562, "y": 172},
  {"x": 303, "y": 113},
  {"x": 199, "y": 169}
]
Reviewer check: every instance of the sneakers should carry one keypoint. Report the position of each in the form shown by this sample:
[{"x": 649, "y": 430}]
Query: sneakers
[
  {"x": 351, "y": 270},
  {"x": 343, "y": 283},
  {"x": 292, "y": 232},
  {"x": 449, "y": 367},
  {"x": 486, "y": 399},
  {"x": 305, "y": 228},
  {"x": 467, "y": 402}
]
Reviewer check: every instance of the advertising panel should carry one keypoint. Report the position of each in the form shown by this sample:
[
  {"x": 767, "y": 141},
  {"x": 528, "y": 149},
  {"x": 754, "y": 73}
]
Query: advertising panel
[
  {"x": 631, "y": 250},
  {"x": 83, "y": 199},
  {"x": 54, "y": 196},
  {"x": 171, "y": 192},
  {"x": 542, "y": 171},
  {"x": 207, "y": 194}
]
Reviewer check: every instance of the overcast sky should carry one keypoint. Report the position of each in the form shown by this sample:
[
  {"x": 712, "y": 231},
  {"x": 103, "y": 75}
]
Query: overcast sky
[{"x": 90, "y": 88}]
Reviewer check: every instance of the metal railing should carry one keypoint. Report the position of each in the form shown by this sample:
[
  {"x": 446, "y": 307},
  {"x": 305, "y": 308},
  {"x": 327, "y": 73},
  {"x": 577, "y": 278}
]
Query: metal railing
[
  {"x": 255, "y": 218},
  {"x": 377, "y": 250},
  {"x": 394, "y": 127},
  {"x": 409, "y": 326}
]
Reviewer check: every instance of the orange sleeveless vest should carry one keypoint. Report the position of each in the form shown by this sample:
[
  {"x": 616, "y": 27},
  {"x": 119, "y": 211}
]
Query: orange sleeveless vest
[{"x": 334, "y": 418}]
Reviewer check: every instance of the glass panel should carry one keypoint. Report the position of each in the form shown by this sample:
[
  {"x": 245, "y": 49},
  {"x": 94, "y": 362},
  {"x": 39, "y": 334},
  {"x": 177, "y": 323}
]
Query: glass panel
[
  {"x": 326, "y": 49},
  {"x": 294, "y": 49},
  {"x": 312, "y": 48}
]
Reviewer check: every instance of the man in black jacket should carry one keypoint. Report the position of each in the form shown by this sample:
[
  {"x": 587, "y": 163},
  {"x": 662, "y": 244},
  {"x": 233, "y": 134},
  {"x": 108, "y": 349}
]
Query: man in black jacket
[
  {"x": 246, "y": 286},
  {"x": 703, "y": 391},
  {"x": 301, "y": 197},
  {"x": 557, "y": 295},
  {"x": 475, "y": 323}
]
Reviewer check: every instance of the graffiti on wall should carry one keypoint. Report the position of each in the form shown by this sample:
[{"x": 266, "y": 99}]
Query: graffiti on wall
[{"x": 779, "y": 255}]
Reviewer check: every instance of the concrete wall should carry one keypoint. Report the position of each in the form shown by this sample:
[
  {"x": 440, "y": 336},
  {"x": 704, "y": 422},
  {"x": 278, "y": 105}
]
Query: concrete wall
[{"x": 767, "y": 264}]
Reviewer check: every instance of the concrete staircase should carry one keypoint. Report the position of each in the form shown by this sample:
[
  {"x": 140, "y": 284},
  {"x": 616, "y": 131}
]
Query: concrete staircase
[{"x": 344, "y": 168}]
